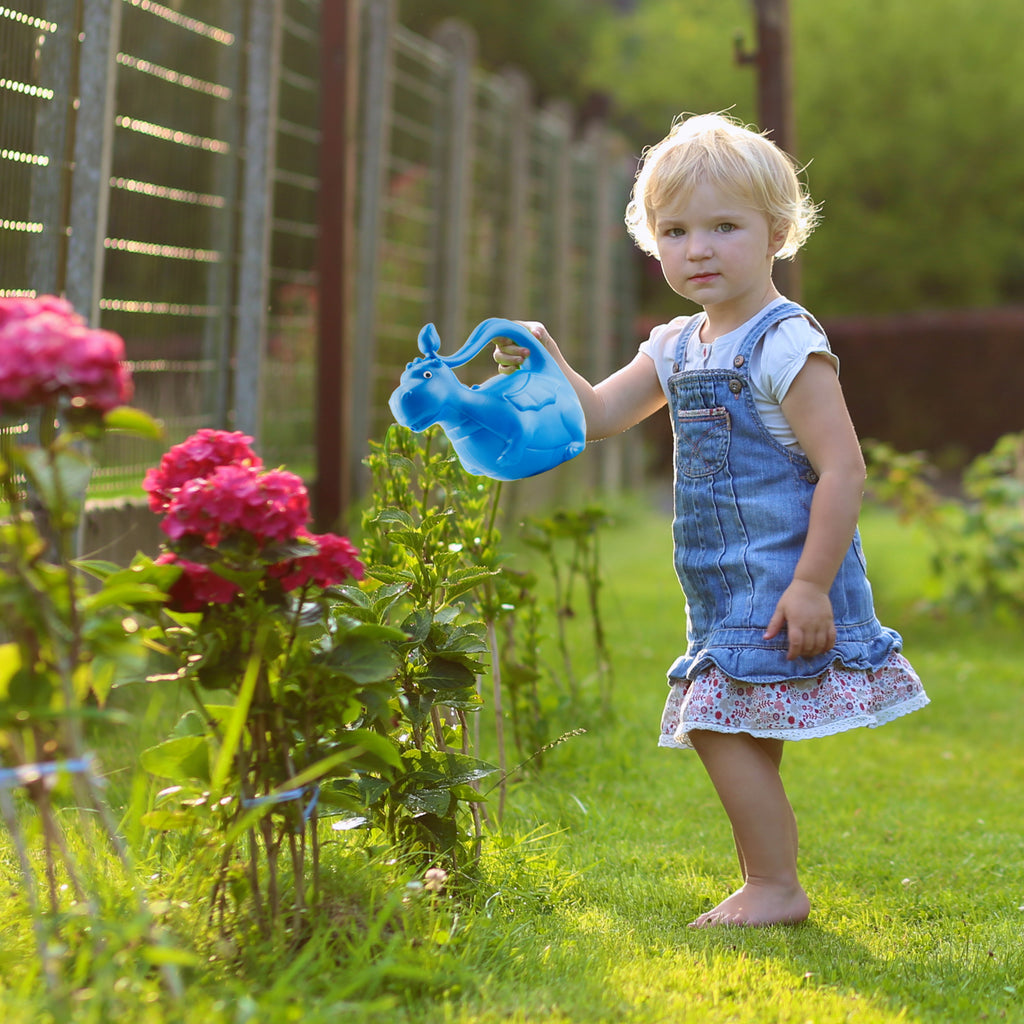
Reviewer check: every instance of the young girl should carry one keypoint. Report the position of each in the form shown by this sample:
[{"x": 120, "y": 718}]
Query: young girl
[{"x": 782, "y": 638}]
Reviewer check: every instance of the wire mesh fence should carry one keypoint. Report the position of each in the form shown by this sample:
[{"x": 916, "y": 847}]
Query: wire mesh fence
[{"x": 159, "y": 167}]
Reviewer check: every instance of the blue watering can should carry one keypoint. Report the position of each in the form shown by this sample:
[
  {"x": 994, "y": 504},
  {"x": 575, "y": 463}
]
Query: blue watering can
[{"x": 511, "y": 426}]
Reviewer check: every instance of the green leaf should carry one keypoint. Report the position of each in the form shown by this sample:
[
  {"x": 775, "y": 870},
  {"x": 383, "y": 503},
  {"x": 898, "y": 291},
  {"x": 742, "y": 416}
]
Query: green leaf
[
  {"x": 97, "y": 567},
  {"x": 455, "y": 769},
  {"x": 428, "y": 801},
  {"x": 363, "y": 659},
  {"x": 435, "y": 519},
  {"x": 61, "y": 478},
  {"x": 444, "y": 674},
  {"x": 386, "y": 574},
  {"x": 393, "y": 515},
  {"x": 469, "y": 794},
  {"x": 417, "y": 625},
  {"x": 126, "y": 419},
  {"x": 412, "y": 539},
  {"x": 168, "y": 821},
  {"x": 370, "y": 742},
  {"x": 353, "y": 594},
  {"x": 371, "y": 789},
  {"x": 125, "y": 595},
  {"x": 181, "y": 760},
  {"x": 10, "y": 664},
  {"x": 379, "y": 633},
  {"x": 384, "y": 597},
  {"x": 160, "y": 955},
  {"x": 442, "y": 831}
]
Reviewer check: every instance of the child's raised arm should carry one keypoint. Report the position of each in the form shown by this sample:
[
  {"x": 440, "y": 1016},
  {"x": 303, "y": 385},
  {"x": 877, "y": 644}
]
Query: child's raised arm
[
  {"x": 816, "y": 410},
  {"x": 620, "y": 401}
]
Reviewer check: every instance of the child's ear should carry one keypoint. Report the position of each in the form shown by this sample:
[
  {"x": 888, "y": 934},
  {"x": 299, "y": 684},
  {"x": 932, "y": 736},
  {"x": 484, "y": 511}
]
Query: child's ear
[{"x": 777, "y": 239}]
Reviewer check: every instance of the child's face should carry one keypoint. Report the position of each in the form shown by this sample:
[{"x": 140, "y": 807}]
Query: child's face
[{"x": 717, "y": 252}]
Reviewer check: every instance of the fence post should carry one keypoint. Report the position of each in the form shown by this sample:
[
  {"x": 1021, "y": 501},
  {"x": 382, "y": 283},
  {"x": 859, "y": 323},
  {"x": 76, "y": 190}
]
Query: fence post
[
  {"x": 262, "y": 73},
  {"x": 517, "y": 88},
  {"x": 459, "y": 42},
  {"x": 46, "y": 202},
  {"x": 599, "y": 302},
  {"x": 377, "y": 77},
  {"x": 217, "y": 328},
  {"x": 559, "y": 113},
  {"x": 94, "y": 139}
]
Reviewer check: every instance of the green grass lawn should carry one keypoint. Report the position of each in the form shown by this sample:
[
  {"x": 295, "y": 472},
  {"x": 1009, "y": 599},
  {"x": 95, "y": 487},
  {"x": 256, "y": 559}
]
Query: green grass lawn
[
  {"x": 912, "y": 853},
  {"x": 912, "y": 840}
]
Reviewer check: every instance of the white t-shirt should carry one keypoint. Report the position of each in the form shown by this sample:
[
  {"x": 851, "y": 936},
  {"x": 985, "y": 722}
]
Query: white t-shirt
[{"x": 774, "y": 362}]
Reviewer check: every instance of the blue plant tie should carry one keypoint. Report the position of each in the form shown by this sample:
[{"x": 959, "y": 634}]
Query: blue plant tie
[
  {"x": 284, "y": 796},
  {"x": 26, "y": 774}
]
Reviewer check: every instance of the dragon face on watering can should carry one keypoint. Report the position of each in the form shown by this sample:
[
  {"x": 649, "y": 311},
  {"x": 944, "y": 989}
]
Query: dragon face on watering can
[{"x": 511, "y": 426}]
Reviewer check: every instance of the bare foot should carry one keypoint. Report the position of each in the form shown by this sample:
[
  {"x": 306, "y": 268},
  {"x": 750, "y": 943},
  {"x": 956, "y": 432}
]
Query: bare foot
[{"x": 758, "y": 904}]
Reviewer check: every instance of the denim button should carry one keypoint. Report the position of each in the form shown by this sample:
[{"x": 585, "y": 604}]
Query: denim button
[
  {"x": 738, "y": 362},
  {"x": 811, "y": 477},
  {"x": 735, "y": 385}
]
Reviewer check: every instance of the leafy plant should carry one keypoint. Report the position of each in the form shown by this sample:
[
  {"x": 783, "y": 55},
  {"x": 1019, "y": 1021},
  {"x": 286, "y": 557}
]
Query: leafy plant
[
  {"x": 579, "y": 531},
  {"x": 433, "y": 545},
  {"x": 986, "y": 569},
  {"x": 63, "y": 387},
  {"x": 430, "y": 542},
  {"x": 286, "y": 691},
  {"x": 977, "y": 542}
]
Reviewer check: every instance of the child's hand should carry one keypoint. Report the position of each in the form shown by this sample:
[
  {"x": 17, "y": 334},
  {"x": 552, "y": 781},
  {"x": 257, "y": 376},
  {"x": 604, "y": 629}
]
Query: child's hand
[
  {"x": 509, "y": 356},
  {"x": 806, "y": 612}
]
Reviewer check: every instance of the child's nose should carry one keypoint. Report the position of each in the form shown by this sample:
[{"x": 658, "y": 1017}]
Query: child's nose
[{"x": 699, "y": 245}]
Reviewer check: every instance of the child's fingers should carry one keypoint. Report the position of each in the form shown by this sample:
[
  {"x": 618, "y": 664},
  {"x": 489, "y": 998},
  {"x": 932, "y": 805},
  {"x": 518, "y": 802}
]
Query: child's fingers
[
  {"x": 778, "y": 620},
  {"x": 508, "y": 355}
]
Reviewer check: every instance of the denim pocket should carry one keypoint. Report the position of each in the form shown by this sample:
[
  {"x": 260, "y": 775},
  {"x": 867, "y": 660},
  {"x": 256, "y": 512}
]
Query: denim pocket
[{"x": 702, "y": 440}]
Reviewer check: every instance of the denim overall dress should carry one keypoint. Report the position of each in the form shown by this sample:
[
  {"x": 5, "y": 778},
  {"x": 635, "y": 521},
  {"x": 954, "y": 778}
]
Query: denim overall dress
[{"x": 742, "y": 506}]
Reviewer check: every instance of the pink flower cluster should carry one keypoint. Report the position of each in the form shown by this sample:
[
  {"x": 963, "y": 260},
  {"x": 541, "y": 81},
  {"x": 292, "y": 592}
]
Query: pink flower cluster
[
  {"x": 336, "y": 560},
  {"x": 47, "y": 352},
  {"x": 213, "y": 486},
  {"x": 269, "y": 505},
  {"x": 197, "y": 586}
]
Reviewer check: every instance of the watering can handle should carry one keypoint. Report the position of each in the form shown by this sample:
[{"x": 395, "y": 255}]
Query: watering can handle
[{"x": 485, "y": 333}]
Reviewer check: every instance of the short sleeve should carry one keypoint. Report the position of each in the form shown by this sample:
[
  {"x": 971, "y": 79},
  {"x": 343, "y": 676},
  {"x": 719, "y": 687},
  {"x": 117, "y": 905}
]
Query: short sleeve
[
  {"x": 660, "y": 346},
  {"x": 785, "y": 350}
]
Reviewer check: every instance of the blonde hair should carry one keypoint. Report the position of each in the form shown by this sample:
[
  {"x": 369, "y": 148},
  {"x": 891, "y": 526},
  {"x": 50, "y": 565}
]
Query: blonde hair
[{"x": 716, "y": 149}]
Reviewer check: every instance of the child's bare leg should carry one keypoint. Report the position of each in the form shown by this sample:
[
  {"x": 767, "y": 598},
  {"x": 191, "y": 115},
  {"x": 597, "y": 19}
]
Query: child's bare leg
[
  {"x": 773, "y": 748},
  {"x": 745, "y": 774}
]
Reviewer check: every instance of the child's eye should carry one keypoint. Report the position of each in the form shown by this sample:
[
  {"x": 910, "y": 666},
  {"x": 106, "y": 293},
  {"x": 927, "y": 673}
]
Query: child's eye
[
  {"x": 726, "y": 228},
  {"x": 675, "y": 232}
]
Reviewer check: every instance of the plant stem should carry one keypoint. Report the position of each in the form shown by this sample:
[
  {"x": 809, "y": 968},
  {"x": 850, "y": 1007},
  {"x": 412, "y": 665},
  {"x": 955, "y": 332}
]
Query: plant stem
[{"x": 499, "y": 713}]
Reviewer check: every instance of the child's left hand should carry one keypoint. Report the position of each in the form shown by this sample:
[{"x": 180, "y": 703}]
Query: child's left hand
[{"x": 806, "y": 613}]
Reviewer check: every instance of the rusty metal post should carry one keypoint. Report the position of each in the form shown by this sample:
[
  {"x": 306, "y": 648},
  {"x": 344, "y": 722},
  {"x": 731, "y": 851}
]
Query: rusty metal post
[
  {"x": 339, "y": 23},
  {"x": 773, "y": 60}
]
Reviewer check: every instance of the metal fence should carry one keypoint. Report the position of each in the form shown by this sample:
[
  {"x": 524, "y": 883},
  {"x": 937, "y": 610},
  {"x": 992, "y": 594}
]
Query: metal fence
[{"x": 159, "y": 167}]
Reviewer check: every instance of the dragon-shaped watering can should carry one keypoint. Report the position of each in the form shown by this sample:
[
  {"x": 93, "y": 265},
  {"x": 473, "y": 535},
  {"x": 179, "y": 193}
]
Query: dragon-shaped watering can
[{"x": 510, "y": 426}]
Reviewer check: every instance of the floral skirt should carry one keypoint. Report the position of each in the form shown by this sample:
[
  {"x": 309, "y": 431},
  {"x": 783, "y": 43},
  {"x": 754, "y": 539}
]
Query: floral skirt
[{"x": 837, "y": 700}]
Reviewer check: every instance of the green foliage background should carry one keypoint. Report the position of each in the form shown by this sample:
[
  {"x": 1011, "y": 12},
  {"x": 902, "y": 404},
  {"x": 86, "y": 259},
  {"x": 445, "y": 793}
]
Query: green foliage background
[{"x": 907, "y": 111}]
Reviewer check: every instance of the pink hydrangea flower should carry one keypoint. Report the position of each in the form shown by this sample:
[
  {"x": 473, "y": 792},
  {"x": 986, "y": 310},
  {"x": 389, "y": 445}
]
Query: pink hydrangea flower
[
  {"x": 197, "y": 586},
  {"x": 47, "y": 352},
  {"x": 196, "y": 458},
  {"x": 335, "y": 561},
  {"x": 269, "y": 506}
]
